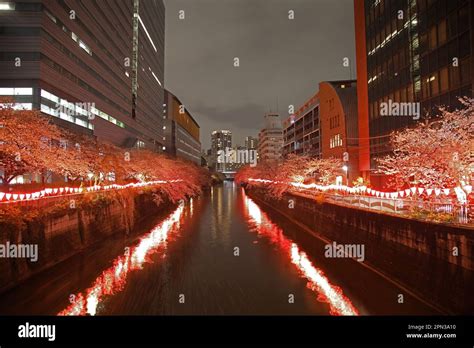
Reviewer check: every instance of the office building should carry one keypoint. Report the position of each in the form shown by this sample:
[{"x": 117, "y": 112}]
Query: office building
[
  {"x": 326, "y": 126},
  {"x": 416, "y": 52},
  {"x": 182, "y": 132},
  {"x": 95, "y": 67},
  {"x": 221, "y": 140},
  {"x": 301, "y": 132}
]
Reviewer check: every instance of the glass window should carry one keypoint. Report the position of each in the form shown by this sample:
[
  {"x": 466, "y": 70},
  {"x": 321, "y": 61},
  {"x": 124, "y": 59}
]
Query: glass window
[
  {"x": 23, "y": 106},
  {"x": 442, "y": 34},
  {"x": 6, "y": 91},
  {"x": 453, "y": 24},
  {"x": 444, "y": 80},
  {"x": 464, "y": 45},
  {"x": 23, "y": 91},
  {"x": 453, "y": 76},
  {"x": 49, "y": 96},
  {"x": 433, "y": 37},
  {"x": 16, "y": 91},
  {"x": 463, "y": 20},
  {"x": 465, "y": 71},
  {"x": 425, "y": 88},
  {"x": 434, "y": 84},
  {"x": 423, "y": 41}
]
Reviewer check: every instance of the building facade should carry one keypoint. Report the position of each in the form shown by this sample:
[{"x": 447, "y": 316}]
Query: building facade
[
  {"x": 326, "y": 126},
  {"x": 181, "y": 131},
  {"x": 301, "y": 133},
  {"x": 339, "y": 124},
  {"x": 221, "y": 140},
  {"x": 91, "y": 67},
  {"x": 270, "y": 139},
  {"x": 416, "y": 52}
]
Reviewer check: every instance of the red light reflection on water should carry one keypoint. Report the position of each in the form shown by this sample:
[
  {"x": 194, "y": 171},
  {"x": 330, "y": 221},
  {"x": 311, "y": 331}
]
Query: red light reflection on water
[
  {"x": 114, "y": 278},
  {"x": 339, "y": 304}
]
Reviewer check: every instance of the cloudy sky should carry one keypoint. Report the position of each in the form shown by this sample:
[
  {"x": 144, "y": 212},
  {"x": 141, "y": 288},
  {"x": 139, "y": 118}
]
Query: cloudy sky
[{"x": 281, "y": 60}]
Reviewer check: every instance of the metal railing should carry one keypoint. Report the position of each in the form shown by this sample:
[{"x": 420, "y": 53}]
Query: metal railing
[{"x": 416, "y": 207}]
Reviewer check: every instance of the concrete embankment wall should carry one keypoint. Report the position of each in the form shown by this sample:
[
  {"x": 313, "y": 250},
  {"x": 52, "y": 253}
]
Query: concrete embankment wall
[
  {"x": 66, "y": 229},
  {"x": 415, "y": 254}
]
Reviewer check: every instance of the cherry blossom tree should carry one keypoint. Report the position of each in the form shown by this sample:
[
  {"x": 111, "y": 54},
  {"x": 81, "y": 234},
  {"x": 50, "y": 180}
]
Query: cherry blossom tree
[
  {"x": 434, "y": 153},
  {"x": 294, "y": 169},
  {"x": 26, "y": 142},
  {"x": 30, "y": 143}
]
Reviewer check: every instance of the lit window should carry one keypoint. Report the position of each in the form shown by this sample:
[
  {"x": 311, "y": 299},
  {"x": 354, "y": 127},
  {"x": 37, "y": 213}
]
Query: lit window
[
  {"x": 50, "y": 16},
  {"x": 19, "y": 106},
  {"x": 49, "y": 96},
  {"x": 16, "y": 91},
  {"x": 156, "y": 78},
  {"x": 23, "y": 91},
  {"x": 146, "y": 32},
  {"x": 85, "y": 47},
  {"x": 81, "y": 122},
  {"x": 66, "y": 117},
  {"x": 7, "y": 6},
  {"x": 6, "y": 91}
]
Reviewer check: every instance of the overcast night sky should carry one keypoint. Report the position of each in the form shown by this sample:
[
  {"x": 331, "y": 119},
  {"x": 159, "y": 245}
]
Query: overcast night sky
[{"x": 280, "y": 59}]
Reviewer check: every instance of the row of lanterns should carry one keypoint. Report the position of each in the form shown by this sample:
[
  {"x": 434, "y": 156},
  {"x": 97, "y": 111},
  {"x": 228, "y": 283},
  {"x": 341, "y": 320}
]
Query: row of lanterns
[
  {"x": 365, "y": 190},
  {"x": 51, "y": 192}
]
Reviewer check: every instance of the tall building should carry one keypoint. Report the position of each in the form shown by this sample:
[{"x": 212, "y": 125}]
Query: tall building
[
  {"x": 181, "y": 133},
  {"x": 95, "y": 67},
  {"x": 270, "y": 139},
  {"x": 326, "y": 126},
  {"x": 411, "y": 51},
  {"x": 220, "y": 141}
]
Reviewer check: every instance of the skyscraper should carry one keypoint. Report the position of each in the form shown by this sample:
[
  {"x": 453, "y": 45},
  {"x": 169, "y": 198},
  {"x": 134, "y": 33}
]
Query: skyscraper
[
  {"x": 221, "y": 140},
  {"x": 410, "y": 51},
  {"x": 96, "y": 67}
]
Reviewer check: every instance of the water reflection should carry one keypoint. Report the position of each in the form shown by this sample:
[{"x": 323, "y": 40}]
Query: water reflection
[
  {"x": 339, "y": 304},
  {"x": 113, "y": 279}
]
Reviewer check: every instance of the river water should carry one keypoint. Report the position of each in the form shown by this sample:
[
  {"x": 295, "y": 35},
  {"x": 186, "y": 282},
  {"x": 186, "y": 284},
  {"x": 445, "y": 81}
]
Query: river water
[{"x": 218, "y": 254}]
